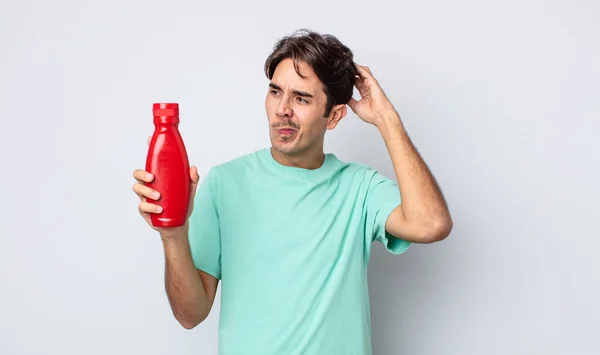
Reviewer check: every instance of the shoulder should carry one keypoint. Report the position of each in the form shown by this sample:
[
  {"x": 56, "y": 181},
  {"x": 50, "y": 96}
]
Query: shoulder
[
  {"x": 356, "y": 171},
  {"x": 236, "y": 167},
  {"x": 363, "y": 177},
  {"x": 241, "y": 162}
]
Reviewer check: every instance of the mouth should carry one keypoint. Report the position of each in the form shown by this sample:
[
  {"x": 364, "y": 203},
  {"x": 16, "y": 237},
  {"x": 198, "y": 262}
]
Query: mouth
[{"x": 286, "y": 132}]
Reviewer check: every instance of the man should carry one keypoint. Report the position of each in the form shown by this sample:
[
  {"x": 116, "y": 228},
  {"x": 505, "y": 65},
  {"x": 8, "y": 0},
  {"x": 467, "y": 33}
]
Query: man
[{"x": 288, "y": 229}]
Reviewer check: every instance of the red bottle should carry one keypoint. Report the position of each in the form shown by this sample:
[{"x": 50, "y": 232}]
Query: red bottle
[{"x": 167, "y": 160}]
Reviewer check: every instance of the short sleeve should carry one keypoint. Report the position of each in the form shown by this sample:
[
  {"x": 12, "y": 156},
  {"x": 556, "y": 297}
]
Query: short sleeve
[
  {"x": 204, "y": 232},
  {"x": 383, "y": 197}
]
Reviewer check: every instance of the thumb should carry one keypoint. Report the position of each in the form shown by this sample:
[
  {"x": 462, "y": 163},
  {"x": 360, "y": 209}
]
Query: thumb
[
  {"x": 195, "y": 178},
  {"x": 352, "y": 103},
  {"x": 194, "y": 175}
]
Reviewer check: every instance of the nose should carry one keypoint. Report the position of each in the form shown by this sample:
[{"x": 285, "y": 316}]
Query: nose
[{"x": 283, "y": 109}]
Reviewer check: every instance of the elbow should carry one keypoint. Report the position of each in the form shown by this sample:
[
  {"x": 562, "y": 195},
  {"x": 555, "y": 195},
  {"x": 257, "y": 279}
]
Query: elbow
[
  {"x": 190, "y": 322},
  {"x": 189, "y": 325},
  {"x": 438, "y": 230}
]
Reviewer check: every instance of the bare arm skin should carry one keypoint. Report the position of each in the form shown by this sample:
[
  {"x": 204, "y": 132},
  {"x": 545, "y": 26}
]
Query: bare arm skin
[
  {"x": 422, "y": 216},
  {"x": 191, "y": 292}
]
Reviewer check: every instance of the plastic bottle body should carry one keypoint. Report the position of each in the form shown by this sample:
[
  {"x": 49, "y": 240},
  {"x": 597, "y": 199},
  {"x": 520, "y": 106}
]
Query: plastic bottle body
[{"x": 167, "y": 160}]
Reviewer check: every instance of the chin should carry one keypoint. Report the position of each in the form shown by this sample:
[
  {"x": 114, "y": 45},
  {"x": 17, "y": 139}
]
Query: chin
[
  {"x": 282, "y": 148},
  {"x": 287, "y": 148}
]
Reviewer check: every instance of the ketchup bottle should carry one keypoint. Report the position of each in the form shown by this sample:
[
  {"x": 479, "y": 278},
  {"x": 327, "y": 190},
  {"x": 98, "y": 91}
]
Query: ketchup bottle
[{"x": 167, "y": 160}]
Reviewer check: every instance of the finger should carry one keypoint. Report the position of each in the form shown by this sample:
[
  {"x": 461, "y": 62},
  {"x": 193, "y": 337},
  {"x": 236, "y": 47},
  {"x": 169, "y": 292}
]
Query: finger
[
  {"x": 352, "y": 103},
  {"x": 362, "y": 88},
  {"x": 145, "y": 191},
  {"x": 364, "y": 72},
  {"x": 359, "y": 82},
  {"x": 142, "y": 176},
  {"x": 194, "y": 175},
  {"x": 367, "y": 69},
  {"x": 147, "y": 207},
  {"x": 195, "y": 179}
]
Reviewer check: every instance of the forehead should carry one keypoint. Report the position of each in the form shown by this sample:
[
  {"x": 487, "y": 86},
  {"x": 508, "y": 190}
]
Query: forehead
[{"x": 285, "y": 76}]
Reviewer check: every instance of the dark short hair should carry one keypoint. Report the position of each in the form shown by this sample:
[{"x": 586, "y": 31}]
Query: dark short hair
[{"x": 332, "y": 62}]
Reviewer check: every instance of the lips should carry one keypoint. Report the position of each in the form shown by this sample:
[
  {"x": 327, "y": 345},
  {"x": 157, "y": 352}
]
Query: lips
[{"x": 286, "y": 131}]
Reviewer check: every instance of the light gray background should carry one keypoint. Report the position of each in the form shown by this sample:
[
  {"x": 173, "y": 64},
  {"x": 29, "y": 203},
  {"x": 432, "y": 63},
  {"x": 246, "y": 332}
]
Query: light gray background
[{"x": 501, "y": 99}]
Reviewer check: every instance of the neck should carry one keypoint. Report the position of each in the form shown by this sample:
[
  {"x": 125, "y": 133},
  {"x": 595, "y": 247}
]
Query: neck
[{"x": 307, "y": 160}]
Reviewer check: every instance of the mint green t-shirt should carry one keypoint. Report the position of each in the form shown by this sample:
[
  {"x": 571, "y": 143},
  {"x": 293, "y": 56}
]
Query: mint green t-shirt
[{"x": 291, "y": 248}]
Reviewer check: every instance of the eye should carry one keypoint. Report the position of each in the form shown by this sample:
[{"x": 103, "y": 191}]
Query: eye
[
  {"x": 275, "y": 92},
  {"x": 302, "y": 100}
]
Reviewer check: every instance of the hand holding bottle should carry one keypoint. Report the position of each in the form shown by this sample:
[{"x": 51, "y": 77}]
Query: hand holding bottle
[{"x": 147, "y": 195}]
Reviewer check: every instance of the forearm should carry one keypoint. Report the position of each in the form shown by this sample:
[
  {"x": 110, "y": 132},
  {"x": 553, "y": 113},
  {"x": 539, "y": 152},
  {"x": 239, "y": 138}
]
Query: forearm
[
  {"x": 185, "y": 290},
  {"x": 422, "y": 200}
]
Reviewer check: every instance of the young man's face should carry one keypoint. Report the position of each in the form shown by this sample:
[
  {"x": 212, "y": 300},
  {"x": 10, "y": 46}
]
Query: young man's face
[{"x": 295, "y": 108}]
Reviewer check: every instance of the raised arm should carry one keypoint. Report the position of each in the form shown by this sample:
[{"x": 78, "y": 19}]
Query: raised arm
[{"x": 422, "y": 216}]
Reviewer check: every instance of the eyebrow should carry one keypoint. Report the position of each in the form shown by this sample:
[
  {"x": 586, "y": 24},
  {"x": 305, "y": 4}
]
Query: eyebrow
[{"x": 297, "y": 92}]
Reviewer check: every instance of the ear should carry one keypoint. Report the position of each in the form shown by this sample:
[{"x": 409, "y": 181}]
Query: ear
[{"x": 337, "y": 113}]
